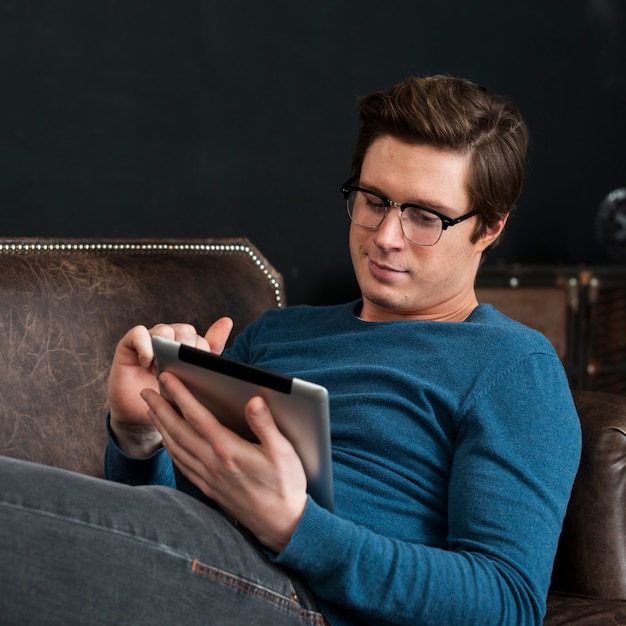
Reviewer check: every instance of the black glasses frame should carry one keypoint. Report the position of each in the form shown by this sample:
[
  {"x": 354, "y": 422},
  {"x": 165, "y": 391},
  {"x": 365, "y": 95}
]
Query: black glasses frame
[{"x": 446, "y": 221}]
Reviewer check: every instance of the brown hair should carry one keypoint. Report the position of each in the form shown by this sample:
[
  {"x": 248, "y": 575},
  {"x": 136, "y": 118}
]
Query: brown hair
[{"x": 457, "y": 115}]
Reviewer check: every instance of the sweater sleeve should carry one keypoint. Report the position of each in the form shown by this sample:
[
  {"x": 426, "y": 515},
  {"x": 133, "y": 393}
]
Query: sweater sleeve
[
  {"x": 157, "y": 469},
  {"x": 509, "y": 486}
]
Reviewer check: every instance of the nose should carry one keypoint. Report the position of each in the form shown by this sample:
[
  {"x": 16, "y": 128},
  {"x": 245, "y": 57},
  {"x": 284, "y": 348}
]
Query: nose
[{"x": 390, "y": 234}]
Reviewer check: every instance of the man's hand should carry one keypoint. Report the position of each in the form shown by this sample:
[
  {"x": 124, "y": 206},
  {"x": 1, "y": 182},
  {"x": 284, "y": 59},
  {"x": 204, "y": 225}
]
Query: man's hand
[
  {"x": 133, "y": 370},
  {"x": 261, "y": 485}
]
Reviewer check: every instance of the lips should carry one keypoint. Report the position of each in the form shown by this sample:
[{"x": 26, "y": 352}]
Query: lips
[
  {"x": 383, "y": 270},
  {"x": 382, "y": 266}
]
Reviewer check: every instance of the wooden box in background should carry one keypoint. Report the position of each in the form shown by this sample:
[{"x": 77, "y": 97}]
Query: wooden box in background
[{"x": 582, "y": 311}]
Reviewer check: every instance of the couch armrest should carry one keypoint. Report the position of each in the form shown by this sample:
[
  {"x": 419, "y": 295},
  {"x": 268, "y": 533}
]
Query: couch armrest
[
  {"x": 566, "y": 610},
  {"x": 591, "y": 559},
  {"x": 64, "y": 305},
  {"x": 589, "y": 577}
]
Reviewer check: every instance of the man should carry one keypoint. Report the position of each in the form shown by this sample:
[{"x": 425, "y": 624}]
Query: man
[{"x": 455, "y": 439}]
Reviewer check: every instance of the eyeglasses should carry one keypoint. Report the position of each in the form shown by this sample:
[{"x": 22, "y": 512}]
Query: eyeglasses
[{"x": 420, "y": 225}]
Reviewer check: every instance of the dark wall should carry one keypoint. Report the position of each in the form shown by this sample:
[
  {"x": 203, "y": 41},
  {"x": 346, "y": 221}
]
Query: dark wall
[{"x": 191, "y": 118}]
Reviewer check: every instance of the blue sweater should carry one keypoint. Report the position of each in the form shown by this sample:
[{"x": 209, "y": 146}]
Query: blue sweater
[{"x": 455, "y": 446}]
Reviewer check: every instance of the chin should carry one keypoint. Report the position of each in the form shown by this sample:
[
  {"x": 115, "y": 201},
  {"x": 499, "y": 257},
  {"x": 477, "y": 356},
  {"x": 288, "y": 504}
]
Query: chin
[{"x": 387, "y": 302}]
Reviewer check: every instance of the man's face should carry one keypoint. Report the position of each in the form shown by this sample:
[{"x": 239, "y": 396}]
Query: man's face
[{"x": 399, "y": 279}]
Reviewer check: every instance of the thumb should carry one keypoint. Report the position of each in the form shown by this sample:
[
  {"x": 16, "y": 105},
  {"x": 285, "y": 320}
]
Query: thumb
[
  {"x": 261, "y": 422},
  {"x": 218, "y": 334}
]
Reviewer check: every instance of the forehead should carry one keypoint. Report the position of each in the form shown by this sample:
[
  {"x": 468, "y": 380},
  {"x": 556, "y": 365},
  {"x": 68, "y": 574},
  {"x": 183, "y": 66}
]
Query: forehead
[{"x": 415, "y": 172}]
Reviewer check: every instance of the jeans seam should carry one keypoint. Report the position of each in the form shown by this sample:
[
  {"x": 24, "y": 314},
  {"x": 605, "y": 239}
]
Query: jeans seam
[
  {"x": 290, "y": 604},
  {"x": 99, "y": 527}
]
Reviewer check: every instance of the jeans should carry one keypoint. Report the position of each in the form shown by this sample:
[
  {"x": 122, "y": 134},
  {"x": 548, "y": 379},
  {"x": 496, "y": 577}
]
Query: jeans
[{"x": 80, "y": 550}]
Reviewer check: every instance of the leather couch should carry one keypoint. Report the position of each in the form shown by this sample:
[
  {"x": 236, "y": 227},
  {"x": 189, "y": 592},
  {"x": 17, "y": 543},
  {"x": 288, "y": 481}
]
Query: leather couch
[{"x": 64, "y": 304}]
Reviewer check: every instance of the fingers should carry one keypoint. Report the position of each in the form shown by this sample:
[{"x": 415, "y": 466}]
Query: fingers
[
  {"x": 177, "y": 438},
  {"x": 262, "y": 424},
  {"x": 183, "y": 333},
  {"x": 136, "y": 346},
  {"x": 190, "y": 433},
  {"x": 204, "y": 423},
  {"x": 218, "y": 334},
  {"x": 196, "y": 416}
]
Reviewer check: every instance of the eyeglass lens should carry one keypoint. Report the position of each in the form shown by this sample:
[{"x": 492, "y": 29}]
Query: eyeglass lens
[{"x": 419, "y": 225}]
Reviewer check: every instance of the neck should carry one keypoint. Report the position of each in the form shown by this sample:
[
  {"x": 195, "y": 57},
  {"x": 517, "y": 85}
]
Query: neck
[{"x": 373, "y": 312}]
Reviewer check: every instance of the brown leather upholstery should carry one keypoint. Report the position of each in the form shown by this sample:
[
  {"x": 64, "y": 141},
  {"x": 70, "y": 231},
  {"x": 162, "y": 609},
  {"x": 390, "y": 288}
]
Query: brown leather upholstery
[
  {"x": 596, "y": 518},
  {"x": 566, "y": 610},
  {"x": 589, "y": 576},
  {"x": 64, "y": 305}
]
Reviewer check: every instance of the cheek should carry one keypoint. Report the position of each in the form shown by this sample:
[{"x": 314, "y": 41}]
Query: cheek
[{"x": 355, "y": 240}]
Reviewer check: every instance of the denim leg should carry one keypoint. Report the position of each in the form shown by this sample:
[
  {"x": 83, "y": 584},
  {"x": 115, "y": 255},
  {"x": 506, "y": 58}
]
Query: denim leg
[{"x": 80, "y": 550}]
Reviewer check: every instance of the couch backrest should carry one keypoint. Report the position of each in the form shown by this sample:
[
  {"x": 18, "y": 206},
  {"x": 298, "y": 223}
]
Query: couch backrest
[
  {"x": 64, "y": 305},
  {"x": 591, "y": 558}
]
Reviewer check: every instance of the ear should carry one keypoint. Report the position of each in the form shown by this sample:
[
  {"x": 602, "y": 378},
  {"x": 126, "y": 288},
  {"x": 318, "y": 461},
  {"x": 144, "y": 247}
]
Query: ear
[{"x": 492, "y": 232}]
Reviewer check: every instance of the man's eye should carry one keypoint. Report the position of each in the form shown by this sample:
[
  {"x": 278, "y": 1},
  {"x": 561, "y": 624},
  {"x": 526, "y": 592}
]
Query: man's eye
[
  {"x": 421, "y": 217},
  {"x": 374, "y": 202}
]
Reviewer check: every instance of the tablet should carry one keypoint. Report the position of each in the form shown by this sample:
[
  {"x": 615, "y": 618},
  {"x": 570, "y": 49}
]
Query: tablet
[{"x": 224, "y": 386}]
